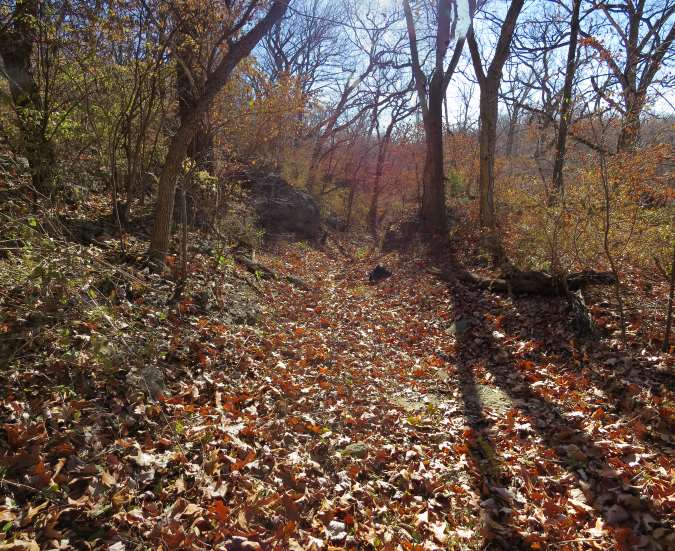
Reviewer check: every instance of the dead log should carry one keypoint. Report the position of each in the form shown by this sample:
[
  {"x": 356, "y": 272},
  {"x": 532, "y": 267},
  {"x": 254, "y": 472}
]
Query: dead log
[
  {"x": 521, "y": 282},
  {"x": 580, "y": 280},
  {"x": 540, "y": 284},
  {"x": 263, "y": 272},
  {"x": 258, "y": 270}
]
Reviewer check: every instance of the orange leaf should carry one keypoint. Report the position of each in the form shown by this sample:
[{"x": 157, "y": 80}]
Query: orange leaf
[
  {"x": 250, "y": 457},
  {"x": 219, "y": 510}
]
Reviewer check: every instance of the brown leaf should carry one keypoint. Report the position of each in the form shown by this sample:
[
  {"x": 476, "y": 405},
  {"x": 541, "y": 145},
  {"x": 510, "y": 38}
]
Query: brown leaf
[
  {"x": 241, "y": 544},
  {"x": 20, "y": 545},
  {"x": 6, "y": 515}
]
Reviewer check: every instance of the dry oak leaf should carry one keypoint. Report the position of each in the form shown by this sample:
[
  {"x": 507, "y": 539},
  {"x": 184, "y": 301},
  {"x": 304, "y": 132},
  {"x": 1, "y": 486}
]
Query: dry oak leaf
[{"x": 20, "y": 545}]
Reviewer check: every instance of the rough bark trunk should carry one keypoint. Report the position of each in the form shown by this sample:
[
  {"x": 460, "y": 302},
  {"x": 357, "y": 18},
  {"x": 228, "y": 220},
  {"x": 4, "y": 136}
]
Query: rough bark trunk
[
  {"x": 17, "y": 43},
  {"x": 433, "y": 213},
  {"x": 566, "y": 103},
  {"x": 180, "y": 142},
  {"x": 433, "y": 216},
  {"x": 489, "y": 82},
  {"x": 511, "y": 138},
  {"x": 487, "y": 144},
  {"x": 630, "y": 125}
]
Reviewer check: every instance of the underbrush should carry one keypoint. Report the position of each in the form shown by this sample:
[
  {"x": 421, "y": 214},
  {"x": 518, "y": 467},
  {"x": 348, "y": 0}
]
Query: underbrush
[
  {"x": 88, "y": 315},
  {"x": 616, "y": 210},
  {"x": 92, "y": 344}
]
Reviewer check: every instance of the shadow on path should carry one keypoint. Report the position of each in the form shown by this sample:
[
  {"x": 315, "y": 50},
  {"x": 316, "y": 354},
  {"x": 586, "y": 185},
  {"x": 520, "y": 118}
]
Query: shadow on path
[{"x": 628, "y": 515}]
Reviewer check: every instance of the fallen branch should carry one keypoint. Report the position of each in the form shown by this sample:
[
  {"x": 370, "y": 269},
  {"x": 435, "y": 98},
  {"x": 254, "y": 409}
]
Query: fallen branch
[
  {"x": 540, "y": 284},
  {"x": 528, "y": 282},
  {"x": 260, "y": 271},
  {"x": 263, "y": 272}
]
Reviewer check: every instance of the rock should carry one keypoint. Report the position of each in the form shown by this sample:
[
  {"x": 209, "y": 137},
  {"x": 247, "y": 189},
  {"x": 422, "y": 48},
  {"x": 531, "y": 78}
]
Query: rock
[
  {"x": 241, "y": 310},
  {"x": 459, "y": 327},
  {"x": 378, "y": 274},
  {"x": 284, "y": 209},
  {"x": 357, "y": 449}
]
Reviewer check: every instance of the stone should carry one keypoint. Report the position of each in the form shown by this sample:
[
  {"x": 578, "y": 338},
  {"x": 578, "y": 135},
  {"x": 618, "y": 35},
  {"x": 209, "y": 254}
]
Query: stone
[
  {"x": 357, "y": 449},
  {"x": 458, "y": 327},
  {"x": 283, "y": 209}
]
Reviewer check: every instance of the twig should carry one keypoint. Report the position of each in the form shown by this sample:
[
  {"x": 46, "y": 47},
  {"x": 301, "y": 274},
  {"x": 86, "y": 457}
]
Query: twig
[
  {"x": 669, "y": 317},
  {"x": 608, "y": 252}
]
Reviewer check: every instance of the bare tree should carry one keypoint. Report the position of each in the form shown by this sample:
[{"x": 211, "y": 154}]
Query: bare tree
[
  {"x": 216, "y": 78},
  {"x": 566, "y": 101},
  {"x": 646, "y": 32},
  {"x": 306, "y": 43},
  {"x": 398, "y": 109},
  {"x": 518, "y": 87},
  {"x": 430, "y": 92},
  {"x": 351, "y": 100},
  {"x": 489, "y": 82}
]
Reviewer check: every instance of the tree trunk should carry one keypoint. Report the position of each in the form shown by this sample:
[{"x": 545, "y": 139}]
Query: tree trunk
[
  {"x": 16, "y": 49},
  {"x": 489, "y": 82},
  {"x": 371, "y": 217},
  {"x": 566, "y": 103},
  {"x": 433, "y": 213},
  {"x": 313, "y": 168},
  {"x": 187, "y": 91},
  {"x": 511, "y": 149},
  {"x": 487, "y": 143},
  {"x": 178, "y": 147},
  {"x": 630, "y": 125},
  {"x": 175, "y": 156}
]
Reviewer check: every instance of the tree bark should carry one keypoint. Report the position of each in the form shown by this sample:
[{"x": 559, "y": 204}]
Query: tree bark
[
  {"x": 487, "y": 144},
  {"x": 17, "y": 42},
  {"x": 489, "y": 82},
  {"x": 566, "y": 102},
  {"x": 180, "y": 142},
  {"x": 630, "y": 124},
  {"x": 433, "y": 214}
]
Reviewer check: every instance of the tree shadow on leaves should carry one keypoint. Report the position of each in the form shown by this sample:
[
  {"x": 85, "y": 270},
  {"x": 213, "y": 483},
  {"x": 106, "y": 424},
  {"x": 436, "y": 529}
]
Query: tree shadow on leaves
[
  {"x": 602, "y": 480},
  {"x": 616, "y": 375},
  {"x": 495, "y": 507}
]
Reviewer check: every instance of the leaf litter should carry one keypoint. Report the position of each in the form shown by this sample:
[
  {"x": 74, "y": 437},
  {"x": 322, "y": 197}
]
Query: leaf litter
[{"x": 404, "y": 415}]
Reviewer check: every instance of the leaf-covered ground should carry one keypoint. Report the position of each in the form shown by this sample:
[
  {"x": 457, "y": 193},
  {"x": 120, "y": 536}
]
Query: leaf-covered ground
[{"x": 404, "y": 415}]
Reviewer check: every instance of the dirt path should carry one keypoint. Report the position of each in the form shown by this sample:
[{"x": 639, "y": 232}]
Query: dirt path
[
  {"x": 411, "y": 413},
  {"x": 407, "y": 415}
]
